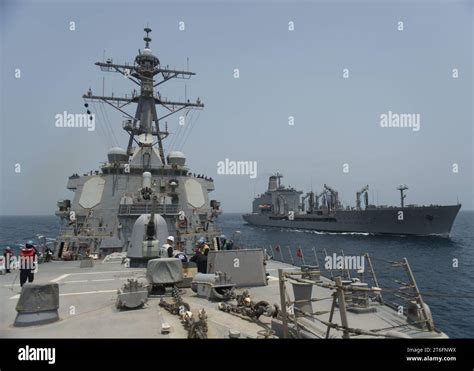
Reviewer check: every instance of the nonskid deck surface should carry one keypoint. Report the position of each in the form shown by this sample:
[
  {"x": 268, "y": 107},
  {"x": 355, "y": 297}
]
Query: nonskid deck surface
[{"x": 87, "y": 307}]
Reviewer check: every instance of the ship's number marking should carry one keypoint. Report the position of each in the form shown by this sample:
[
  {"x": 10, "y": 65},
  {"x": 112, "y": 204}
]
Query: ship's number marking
[
  {"x": 181, "y": 215},
  {"x": 400, "y": 310},
  {"x": 400, "y": 215},
  {"x": 236, "y": 263},
  {"x": 72, "y": 216},
  {"x": 291, "y": 215}
]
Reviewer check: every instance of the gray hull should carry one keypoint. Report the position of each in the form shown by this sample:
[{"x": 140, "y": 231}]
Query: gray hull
[{"x": 417, "y": 221}]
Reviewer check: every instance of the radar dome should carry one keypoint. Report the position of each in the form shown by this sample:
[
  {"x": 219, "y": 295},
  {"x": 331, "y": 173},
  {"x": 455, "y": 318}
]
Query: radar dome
[
  {"x": 117, "y": 154},
  {"x": 176, "y": 158}
]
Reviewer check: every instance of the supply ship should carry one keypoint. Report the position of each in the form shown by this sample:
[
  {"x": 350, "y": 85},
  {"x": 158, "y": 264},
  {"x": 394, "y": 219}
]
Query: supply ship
[{"x": 285, "y": 207}]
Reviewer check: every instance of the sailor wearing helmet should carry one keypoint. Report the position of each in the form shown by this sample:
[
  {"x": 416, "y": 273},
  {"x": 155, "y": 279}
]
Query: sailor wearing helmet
[{"x": 168, "y": 248}]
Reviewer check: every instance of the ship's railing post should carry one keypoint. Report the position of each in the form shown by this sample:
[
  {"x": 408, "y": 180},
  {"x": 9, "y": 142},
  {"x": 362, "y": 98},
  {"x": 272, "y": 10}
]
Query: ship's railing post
[
  {"x": 419, "y": 299},
  {"x": 374, "y": 277},
  {"x": 273, "y": 253},
  {"x": 316, "y": 258},
  {"x": 342, "y": 306},
  {"x": 344, "y": 266},
  {"x": 291, "y": 256},
  {"x": 331, "y": 315},
  {"x": 284, "y": 319},
  {"x": 326, "y": 255},
  {"x": 300, "y": 250}
]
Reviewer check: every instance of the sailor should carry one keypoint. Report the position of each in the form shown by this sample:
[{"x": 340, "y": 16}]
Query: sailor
[
  {"x": 7, "y": 254},
  {"x": 179, "y": 254},
  {"x": 225, "y": 244},
  {"x": 203, "y": 246},
  {"x": 27, "y": 263},
  {"x": 167, "y": 249},
  {"x": 200, "y": 258},
  {"x": 48, "y": 254}
]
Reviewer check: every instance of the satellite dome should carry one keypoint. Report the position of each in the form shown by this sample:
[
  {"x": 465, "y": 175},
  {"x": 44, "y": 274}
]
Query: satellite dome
[
  {"x": 176, "y": 158},
  {"x": 147, "y": 51},
  {"x": 117, "y": 154}
]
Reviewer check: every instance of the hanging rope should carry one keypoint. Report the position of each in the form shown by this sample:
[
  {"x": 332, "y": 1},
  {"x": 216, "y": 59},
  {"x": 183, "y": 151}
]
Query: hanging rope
[
  {"x": 191, "y": 129},
  {"x": 188, "y": 126},
  {"x": 108, "y": 124},
  {"x": 104, "y": 136}
]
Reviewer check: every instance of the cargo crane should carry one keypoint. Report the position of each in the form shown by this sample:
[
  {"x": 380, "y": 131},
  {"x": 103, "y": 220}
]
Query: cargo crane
[
  {"x": 316, "y": 200},
  {"x": 363, "y": 191},
  {"x": 310, "y": 197},
  {"x": 333, "y": 202}
]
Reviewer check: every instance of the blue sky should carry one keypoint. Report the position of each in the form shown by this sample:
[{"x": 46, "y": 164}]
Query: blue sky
[{"x": 282, "y": 73}]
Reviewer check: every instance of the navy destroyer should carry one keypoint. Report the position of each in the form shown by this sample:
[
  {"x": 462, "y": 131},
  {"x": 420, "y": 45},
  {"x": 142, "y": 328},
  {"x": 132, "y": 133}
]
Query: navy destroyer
[
  {"x": 285, "y": 207},
  {"x": 107, "y": 202}
]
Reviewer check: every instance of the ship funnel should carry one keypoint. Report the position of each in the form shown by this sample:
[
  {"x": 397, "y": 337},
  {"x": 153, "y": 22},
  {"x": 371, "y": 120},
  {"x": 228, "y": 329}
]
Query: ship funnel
[
  {"x": 146, "y": 180},
  {"x": 272, "y": 183}
]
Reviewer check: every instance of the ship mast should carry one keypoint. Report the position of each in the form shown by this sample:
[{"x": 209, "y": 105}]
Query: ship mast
[
  {"x": 145, "y": 125},
  {"x": 402, "y": 188}
]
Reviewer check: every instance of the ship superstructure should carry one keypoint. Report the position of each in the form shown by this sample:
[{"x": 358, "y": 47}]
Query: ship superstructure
[{"x": 107, "y": 202}]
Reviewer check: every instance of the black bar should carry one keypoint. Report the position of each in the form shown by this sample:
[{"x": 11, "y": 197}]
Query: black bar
[{"x": 383, "y": 353}]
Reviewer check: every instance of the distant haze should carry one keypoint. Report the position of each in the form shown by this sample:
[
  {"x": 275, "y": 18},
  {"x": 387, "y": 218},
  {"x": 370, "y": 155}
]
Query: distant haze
[{"x": 343, "y": 66}]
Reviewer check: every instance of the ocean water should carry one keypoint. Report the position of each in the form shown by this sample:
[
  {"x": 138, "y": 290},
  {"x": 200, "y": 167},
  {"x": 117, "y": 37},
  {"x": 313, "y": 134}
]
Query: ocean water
[{"x": 448, "y": 290}]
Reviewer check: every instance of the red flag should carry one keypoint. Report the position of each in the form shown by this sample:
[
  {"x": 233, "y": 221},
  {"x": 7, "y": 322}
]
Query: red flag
[{"x": 299, "y": 253}]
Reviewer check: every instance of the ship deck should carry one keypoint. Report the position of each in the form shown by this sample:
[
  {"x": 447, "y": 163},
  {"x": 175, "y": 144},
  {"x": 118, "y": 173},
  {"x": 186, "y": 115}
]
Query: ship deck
[{"x": 87, "y": 307}]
